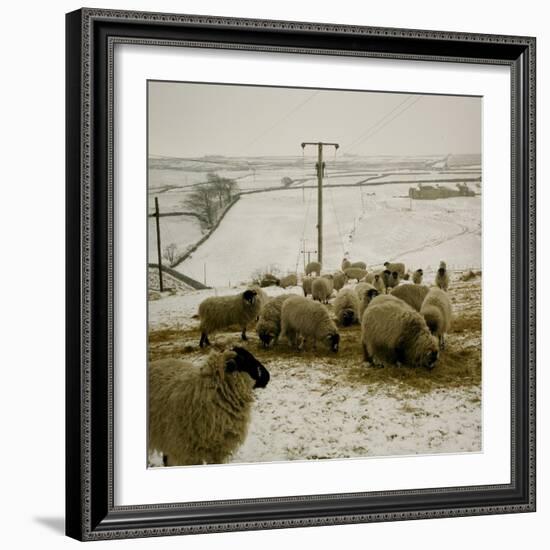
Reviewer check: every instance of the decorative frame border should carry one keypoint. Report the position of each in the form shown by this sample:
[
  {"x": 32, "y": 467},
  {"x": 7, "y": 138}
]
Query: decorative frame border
[{"x": 91, "y": 37}]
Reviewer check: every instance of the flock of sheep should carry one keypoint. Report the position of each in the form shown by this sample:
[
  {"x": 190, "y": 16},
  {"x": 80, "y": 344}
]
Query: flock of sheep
[{"x": 200, "y": 414}]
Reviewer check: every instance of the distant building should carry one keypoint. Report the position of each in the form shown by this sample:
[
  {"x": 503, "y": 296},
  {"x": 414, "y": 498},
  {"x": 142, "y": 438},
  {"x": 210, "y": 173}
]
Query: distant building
[{"x": 431, "y": 192}]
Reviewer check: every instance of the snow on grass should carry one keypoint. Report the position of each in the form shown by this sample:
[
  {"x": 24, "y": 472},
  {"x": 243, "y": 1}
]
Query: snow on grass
[
  {"x": 182, "y": 231},
  {"x": 372, "y": 223},
  {"x": 320, "y": 405}
]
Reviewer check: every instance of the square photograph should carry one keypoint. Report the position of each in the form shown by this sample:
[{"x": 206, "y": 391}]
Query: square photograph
[{"x": 314, "y": 277}]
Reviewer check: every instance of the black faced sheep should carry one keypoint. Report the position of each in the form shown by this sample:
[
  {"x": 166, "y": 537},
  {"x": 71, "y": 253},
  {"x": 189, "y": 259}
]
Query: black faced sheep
[
  {"x": 306, "y": 285},
  {"x": 411, "y": 294},
  {"x": 321, "y": 289},
  {"x": 289, "y": 280},
  {"x": 356, "y": 273},
  {"x": 442, "y": 277},
  {"x": 219, "y": 312},
  {"x": 303, "y": 318},
  {"x": 346, "y": 307},
  {"x": 417, "y": 277},
  {"x": 393, "y": 332},
  {"x": 313, "y": 267},
  {"x": 437, "y": 310},
  {"x": 199, "y": 414},
  {"x": 399, "y": 267},
  {"x": 268, "y": 326}
]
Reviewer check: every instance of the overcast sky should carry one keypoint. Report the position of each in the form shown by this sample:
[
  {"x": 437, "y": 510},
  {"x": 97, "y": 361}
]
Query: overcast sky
[{"x": 188, "y": 120}]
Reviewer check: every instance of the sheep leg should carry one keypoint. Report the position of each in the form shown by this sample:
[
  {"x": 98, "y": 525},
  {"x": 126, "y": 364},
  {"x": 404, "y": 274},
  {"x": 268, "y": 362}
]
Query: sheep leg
[
  {"x": 165, "y": 460},
  {"x": 442, "y": 341},
  {"x": 243, "y": 334},
  {"x": 366, "y": 354},
  {"x": 204, "y": 340}
]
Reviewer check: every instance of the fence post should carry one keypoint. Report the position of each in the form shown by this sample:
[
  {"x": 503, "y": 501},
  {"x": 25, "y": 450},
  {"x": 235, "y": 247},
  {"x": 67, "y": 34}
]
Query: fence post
[{"x": 157, "y": 216}]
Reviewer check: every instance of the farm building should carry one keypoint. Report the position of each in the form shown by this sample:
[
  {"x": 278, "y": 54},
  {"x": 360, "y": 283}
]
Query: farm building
[{"x": 430, "y": 192}]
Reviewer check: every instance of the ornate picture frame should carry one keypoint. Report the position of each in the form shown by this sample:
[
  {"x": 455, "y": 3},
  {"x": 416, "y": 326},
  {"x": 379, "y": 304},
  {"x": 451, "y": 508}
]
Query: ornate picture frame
[{"x": 92, "y": 35}]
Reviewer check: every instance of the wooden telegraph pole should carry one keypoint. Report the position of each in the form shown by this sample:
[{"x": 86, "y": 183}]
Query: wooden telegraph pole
[
  {"x": 320, "y": 169},
  {"x": 157, "y": 216}
]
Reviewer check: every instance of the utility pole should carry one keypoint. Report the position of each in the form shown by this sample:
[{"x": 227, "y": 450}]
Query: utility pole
[
  {"x": 157, "y": 216},
  {"x": 320, "y": 170}
]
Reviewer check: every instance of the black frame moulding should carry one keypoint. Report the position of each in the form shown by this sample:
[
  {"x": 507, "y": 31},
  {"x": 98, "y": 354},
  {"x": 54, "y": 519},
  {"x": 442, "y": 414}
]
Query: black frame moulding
[{"x": 90, "y": 38}]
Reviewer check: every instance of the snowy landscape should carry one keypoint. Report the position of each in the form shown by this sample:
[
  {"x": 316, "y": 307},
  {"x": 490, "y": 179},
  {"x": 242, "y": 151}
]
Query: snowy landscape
[
  {"x": 235, "y": 199},
  {"x": 319, "y": 405}
]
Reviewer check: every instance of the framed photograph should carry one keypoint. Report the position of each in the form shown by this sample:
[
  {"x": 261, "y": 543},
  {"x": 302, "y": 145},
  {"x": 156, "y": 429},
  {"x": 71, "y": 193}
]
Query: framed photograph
[{"x": 300, "y": 274}]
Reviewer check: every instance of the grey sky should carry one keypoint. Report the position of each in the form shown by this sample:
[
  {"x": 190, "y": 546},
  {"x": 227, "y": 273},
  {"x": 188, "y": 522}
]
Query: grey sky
[{"x": 188, "y": 119}]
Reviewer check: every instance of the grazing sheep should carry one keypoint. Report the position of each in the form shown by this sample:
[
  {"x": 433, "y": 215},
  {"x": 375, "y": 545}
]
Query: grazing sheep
[
  {"x": 436, "y": 309},
  {"x": 345, "y": 264},
  {"x": 393, "y": 332},
  {"x": 365, "y": 292},
  {"x": 200, "y": 413},
  {"x": 268, "y": 326},
  {"x": 313, "y": 267},
  {"x": 330, "y": 278},
  {"x": 346, "y": 307},
  {"x": 417, "y": 277},
  {"x": 411, "y": 294},
  {"x": 378, "y": 283},
  {"x": 289, "y": 280},
  {"x": 339, "y": 280},
  {"x": 355, "y": 273},
  {"x": 219, "y": 312},
  {"x": 306, "y": 285},
  {"x": 360, "y": 265},
  {"x": 309, "y": 320},
  {"x": 399, "y": 267},
  {"x": 442, "y": 277},
  {"x": 390, "y": 279},
  {"x": 321, "y": 289}
]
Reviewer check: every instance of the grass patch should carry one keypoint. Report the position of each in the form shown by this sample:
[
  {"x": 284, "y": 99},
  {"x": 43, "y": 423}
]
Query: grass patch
[{"x": 467, "y": 322}]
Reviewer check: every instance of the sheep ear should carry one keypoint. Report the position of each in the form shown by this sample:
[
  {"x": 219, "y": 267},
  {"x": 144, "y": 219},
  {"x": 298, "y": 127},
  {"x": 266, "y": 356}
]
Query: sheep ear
[
  {"x": 372, "y": 292},
  {"x": 230, "y": 365}
]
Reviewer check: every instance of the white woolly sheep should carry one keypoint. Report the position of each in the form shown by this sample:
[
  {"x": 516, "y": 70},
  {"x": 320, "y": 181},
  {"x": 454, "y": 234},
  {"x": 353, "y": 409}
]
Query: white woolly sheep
[
  {"x": 308, "y": 320},
  {"x": 378, "y": 283},
  {"x": 390, "y": 278},
  {"x": 417, "y": 277},
  {"x": 306, "y": 285},
  {"x": 339, "y": 280},
  {"x": 346, "y": 307},
  {"x": 321, "y": 289},
  {"x": 289, "y": 280},
  {"x": 356, "y": 273},
  {"x": 219, "y": 312},
  {"x": 438, "y": 312},
  {"x": 360, "y": 265},
  {"x": 442, "y": 277},
  {"x": 411, "y": 294},
  {"x": 200, "y": 413},
  {"x": 365, "y": 292},
  {"x": 268, "y": 326},
  {"x": 399, "y": 267},
  {"x": 313, "y": 267},
  {"x": 393, "y": 332}
]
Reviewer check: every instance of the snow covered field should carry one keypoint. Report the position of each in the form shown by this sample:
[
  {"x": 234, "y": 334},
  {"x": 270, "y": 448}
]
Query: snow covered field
[
  {"x": 317, "y": 404},
  {"x": 373, "y": 224},
  {"x": 322, "y": 405}
]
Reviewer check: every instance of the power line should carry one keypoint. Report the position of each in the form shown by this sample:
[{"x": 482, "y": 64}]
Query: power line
[
  {"x": 282, "y": 119},
  {"x": 384, "y": 121}
]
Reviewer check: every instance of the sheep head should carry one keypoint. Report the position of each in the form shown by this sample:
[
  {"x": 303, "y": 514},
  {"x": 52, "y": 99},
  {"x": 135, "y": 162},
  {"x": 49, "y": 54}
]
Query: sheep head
[
  {"x": 244, "y": 361},
  {"x": 250, "y": 296}
]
